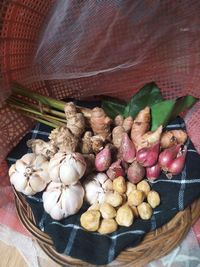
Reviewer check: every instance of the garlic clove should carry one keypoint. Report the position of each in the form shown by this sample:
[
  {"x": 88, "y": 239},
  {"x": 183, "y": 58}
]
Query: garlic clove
[
  {"x": 68, "y": 174},
  {"x": 37, "y": 183},
  {"x": 71, "y": 207},
  {"x": 29, "y": 191},
  {"x": 101, "y": 178},
  {"x": 56, "y": 213},
  {"x": 91, "y": 192},
  {"x": 78, "y": 161},
  {"x": 44, "y": 172},
  {"x": 50, "y": 199},
  {"x": 19, "y": 181},
  {"x": 53, "y": 169},
  {"x": 11, "y": 170},
  {"x": 101, "y": 197},
  {"x": 28, "y": 158},
  {"x": 39, "y": 161},
  {"x": 20, "y": 166}
]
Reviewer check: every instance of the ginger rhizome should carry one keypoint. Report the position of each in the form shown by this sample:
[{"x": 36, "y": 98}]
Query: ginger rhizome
[{"x": 100, "y": 123}]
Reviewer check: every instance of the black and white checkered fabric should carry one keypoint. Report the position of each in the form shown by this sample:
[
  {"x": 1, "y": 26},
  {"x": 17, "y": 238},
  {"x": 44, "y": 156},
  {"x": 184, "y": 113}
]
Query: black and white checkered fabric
[{"x": 71, "y": 239}]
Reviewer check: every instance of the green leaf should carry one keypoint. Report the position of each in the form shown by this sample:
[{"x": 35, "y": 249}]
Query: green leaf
[
  {"x": 113, "y": 108},
  {"x": 163, "y": 112},
  {"x": 146, "y": 96}
]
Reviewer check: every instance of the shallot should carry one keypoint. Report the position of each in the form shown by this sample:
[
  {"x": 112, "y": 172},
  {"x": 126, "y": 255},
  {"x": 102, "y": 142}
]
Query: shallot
[
  {"x": 103, "y": 159},
  {"x": 153, "y": 172},
  {"x": 177, "y": 164},
  {"x": 136, "y": 172},
  {"x": 127, "y": 149},
  {"x": 148, "y": 156},
  {"x": 115, "y": 170},
  {"x": 167, "y": 156}
]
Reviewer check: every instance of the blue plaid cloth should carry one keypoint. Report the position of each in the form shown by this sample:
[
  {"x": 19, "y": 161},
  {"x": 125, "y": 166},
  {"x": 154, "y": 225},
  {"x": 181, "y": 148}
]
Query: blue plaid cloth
[{"x": 71, "y": 239}]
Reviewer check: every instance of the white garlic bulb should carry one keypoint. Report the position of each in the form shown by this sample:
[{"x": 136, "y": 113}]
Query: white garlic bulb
[
  {"x": 61, "y": 201},
  {"x": 67, "y": 168},
  {"x": 96, "y": 186},
  {"x": 29, "y": 174}
]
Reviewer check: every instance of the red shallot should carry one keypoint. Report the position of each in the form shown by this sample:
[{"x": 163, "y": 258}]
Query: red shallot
[
  {"x": 115, "y": 170},
  {"x": 136, "y": 172},
  {"x": 103, "y": 159},
  {"x": 153, "y": 172},
  {"x": 167, "y": 156},
  {"x": 148, "y": 156},
  {"x": 127, "y": 149},
  {"x": 177, "y": 164}
]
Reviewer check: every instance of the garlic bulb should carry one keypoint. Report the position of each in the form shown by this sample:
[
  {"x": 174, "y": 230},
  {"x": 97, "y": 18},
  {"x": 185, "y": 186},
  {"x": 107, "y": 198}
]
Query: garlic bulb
[
  {"x": 39, "y": 146},
  {"x": 61, "y": 201},
  {"x": 67, "y": 168},
  {"x": 29, "y": 174},
  {"x": 96, "y": 186}
]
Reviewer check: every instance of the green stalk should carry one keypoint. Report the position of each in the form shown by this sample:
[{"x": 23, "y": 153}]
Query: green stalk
[
  {"x": 58, "y": 104},
  {"x": 46, "y": 109},
  {"x": 38, "y": 119},
  {"x": 17, "y": 105},
  {"x": 30, "y": 113},
  {"x": 19, "y": 89}
]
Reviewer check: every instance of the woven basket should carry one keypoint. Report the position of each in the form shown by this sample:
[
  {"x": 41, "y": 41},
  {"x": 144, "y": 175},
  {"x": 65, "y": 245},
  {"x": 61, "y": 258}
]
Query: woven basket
[
  {"x": 20, "y": 25},
  {"x": 155, "y": 244}
]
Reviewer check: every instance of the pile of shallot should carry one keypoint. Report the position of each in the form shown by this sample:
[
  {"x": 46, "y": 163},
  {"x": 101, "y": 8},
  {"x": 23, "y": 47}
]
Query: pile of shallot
[{"x": 138, "y": 153}]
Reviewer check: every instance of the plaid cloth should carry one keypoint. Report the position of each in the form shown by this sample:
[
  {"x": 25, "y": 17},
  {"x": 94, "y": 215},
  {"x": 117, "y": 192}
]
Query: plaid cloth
[{"x": 71, "y": 239}]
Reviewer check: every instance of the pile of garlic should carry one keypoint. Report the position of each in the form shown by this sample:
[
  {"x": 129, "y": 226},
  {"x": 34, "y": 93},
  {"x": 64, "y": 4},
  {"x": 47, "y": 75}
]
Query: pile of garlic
[
  {"x": 58, "y": 178},
  {"x": 119, "y": 206}
]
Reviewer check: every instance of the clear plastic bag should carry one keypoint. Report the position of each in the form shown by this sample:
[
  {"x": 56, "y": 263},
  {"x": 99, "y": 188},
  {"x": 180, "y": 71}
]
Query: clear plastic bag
[
  {"x": 114, "y": 47},
  {"x": 91, "y": 48}
]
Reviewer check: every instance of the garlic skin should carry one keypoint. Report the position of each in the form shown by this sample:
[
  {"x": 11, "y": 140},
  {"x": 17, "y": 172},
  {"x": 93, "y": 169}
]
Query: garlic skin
[
  {"x": 61, "y": 201},
  {"x": 29, "y": 175},
  {"x": 67, "y": 168},
  {"x": 96, "y": 186}
]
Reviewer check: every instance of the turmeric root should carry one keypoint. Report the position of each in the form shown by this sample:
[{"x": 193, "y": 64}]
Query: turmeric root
[
  {"x": 100, "y": 123},
  {"x": 173, "y": 137},
  {"x": 140, "y": 126},
  {"x": 75, "y": 120}
]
